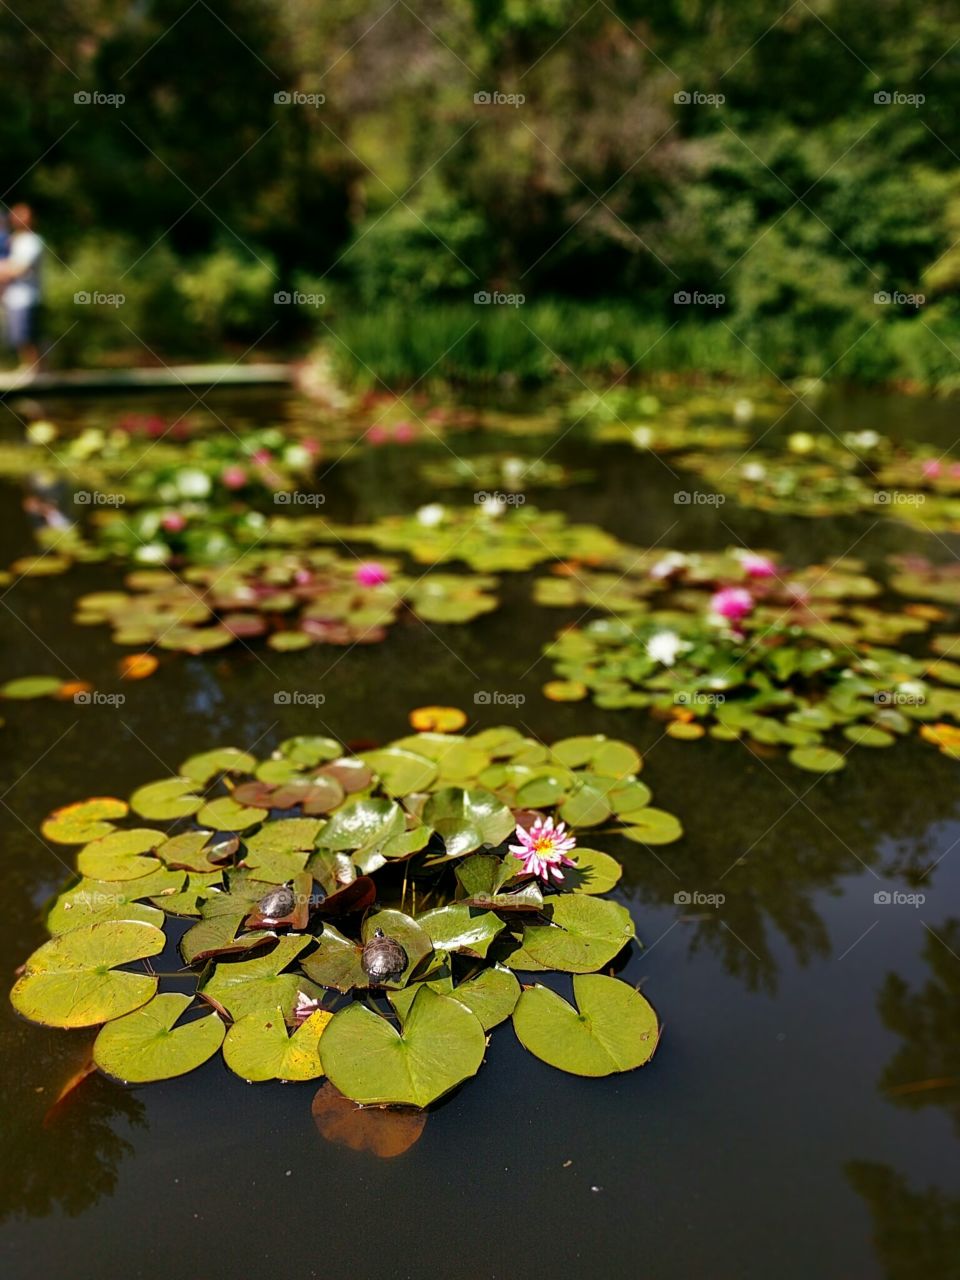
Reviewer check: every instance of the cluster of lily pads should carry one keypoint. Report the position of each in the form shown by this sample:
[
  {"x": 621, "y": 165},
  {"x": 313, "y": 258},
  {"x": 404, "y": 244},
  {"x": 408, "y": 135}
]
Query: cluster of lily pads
[
  {"x": 737, "y": 646},
  {"x": 492, "y": 536},
  {"x": 293, "y": 599},
  {"x": 822, "y": 474},
  {"x": 362, "y": 917},
  {"x": 497, "y": 472}
]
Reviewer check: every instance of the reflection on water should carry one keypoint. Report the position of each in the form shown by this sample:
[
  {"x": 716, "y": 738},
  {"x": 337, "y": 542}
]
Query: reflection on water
[
  {"x": 915, "y": 1233},
  {"x": 65, "y": 1156},
  {"x": 925, "y": 1070},
  {"x": 781, "y": 1001}
]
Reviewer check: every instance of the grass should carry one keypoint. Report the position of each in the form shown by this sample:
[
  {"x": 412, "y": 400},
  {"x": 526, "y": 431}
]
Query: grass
[{"x": 539, "y": 342}]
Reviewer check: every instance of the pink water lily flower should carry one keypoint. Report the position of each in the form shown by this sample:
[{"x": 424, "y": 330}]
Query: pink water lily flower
[
  {"x": 173, "y": 522},
  {"x": 371, "y": 573},
  {"x": 543, "y": 849},
  {"x": 755, "y": 566},
  {"x": 732, "y": 603},
  {"x": 931, "y": 468},
  {"x": 233, "y": 477}
]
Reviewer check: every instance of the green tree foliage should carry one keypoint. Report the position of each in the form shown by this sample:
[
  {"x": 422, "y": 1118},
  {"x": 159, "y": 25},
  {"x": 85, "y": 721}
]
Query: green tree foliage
[{"x": 797, "y": 195}]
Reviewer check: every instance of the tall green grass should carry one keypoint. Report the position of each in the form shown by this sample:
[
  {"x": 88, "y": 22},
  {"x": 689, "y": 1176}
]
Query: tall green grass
[{"x": 544, "y": 341}]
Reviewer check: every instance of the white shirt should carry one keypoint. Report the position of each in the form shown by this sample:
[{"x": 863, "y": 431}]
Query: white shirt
[{"x": 25, "y": 250}]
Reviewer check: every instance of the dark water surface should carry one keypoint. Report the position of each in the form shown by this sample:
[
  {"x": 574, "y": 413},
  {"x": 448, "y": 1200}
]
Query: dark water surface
[{"x": 760, "y": 1142}]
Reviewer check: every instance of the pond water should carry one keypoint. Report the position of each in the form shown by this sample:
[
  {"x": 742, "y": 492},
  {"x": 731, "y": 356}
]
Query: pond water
[{"x": 760, "y": 1141}]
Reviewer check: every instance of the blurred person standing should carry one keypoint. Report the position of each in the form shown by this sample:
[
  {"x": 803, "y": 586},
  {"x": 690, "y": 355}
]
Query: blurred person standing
[{"x": 20, "y": 280}]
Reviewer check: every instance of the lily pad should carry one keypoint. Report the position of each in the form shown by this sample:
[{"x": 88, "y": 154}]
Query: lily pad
[
  {"x": 440, "y": 1045},
  {"x": 146, "y": 1045},
  {"x": 612, "y": 1029},
  {"x": 118, "y": 856},
  {"x": 583, "y": 934},
  {"x": 258, "y": 1047},
  {"x": 84, "y": 821},
  {"x": 71, "y": 981},
  {"x": 252, "y": 986}
]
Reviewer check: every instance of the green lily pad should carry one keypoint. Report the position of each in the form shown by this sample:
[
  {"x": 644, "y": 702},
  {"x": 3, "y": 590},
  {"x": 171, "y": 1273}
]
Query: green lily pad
[
  {"x": 284, "y": 835},
  {"x": 217, "y": 935},
  {"x": 612, "y": 1029},
  {"x": 117, "y": 856},
  {"x": 31, "y": 687},
  {"x": 458, "y": 927},
  {"x": 401, "y": 772},
  {"x": 93, "y": 901},
  {"x": 225, "y": 814},
  {"x": 253, "y": 986},
  {"x": 652, "y": 826},
  {"x": 336, "y": 961},
  {"x": 205, "y": 766},
  {"x": 146, "y": 1045},
  {"x": 468, "y": 820},
  {"x": 84, "y": 821},
  {"x": 817, "y": 759},
  {"x": 440, "y": 1045},
  {"x": 165, "y": 800},
  {"x": 258, "y": 1047},
  {"x": 365, "y": 822},
  {"x": 491, "y": 995},
  {"x": 595, "y": 872},
  {"x": 70, "y": 981},
  {"x": 583, "y": 935}
]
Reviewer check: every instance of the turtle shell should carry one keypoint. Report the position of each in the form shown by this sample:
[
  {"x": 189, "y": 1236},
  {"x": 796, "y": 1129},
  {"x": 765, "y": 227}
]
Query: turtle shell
[
  {"x": 383, "y": 959},
  {"x": 277, "y": 903}
]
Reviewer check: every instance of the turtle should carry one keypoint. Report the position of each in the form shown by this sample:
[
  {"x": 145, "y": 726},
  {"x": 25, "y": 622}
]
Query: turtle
[
  {"x": 382, "y": 959},
  {"x": 278, "y": 902}
]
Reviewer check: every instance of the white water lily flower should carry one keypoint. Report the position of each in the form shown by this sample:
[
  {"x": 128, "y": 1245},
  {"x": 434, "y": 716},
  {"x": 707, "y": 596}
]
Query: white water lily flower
[
  {"x": 670, "y": 563},
  {"x": 152, "y": 553},
  {"x": 430, "y": 515},
  {"x": 642, "y": 437},
  {"x": 665, "y": 647},
  {"x": 753, "y": 471}
]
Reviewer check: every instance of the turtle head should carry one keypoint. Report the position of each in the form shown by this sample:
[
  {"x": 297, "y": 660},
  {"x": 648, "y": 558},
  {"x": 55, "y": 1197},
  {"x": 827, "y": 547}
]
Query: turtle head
[{"x": 378, "y": 933}]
